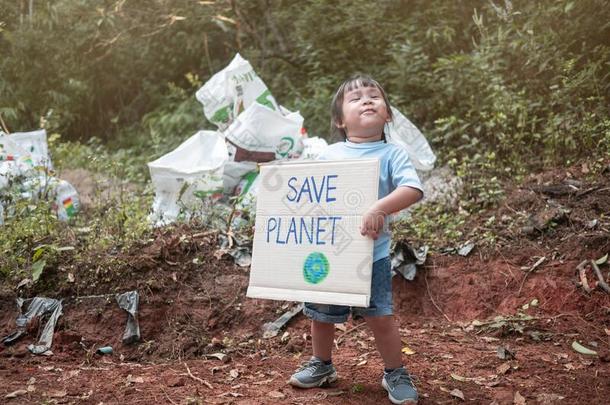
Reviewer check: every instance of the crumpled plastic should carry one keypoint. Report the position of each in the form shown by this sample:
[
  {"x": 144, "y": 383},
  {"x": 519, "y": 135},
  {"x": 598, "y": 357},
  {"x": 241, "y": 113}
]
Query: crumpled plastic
[
  {"x": 39, "y": 306},
  {"x": 405, "y": 258},
  {"x": 26, "y": 173},
  {"x": 238, "y": 247},
  {"x": 271, "y": 329},
  {"x": 129, "y": 301}
]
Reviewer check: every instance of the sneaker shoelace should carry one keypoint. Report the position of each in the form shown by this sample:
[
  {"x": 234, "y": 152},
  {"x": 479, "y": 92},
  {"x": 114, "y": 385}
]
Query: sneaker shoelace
[
  {"x": 401, "y": 377},
  {"x": 310, "y": 365}
]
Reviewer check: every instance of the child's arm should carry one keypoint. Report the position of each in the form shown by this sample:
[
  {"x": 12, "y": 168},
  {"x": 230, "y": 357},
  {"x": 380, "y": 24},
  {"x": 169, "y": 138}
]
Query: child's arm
[{"x": 399, "y": 199}]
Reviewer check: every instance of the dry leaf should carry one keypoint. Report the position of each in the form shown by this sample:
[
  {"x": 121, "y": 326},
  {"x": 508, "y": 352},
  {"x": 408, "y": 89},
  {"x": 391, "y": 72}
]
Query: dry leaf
[
  {"x": 57, "y": 394},
  {"x": 131, "y": 379},
  {"x": 15, "y": 394},
  {"x": 503, "y": 368},
  {"x": 341, "y": 327},
  {"x": 548, "y": 399},
  {"x": 220, "y": 356},
  {"x": 362, "y": 363},
  {"x": 408, "y": 350},
  {"x": 457, "y": 393},
  {"x": 276, "y": 394},
  {"x": 459, "y": 377},
  {"x": 518, "y": 400},
  {"x": 234, "y": 373}
]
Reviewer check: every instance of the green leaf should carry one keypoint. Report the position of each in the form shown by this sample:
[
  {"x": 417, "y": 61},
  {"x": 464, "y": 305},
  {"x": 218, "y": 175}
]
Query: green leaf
[
  {"x": 37, "y": 268},
  {"x": 38, "y": 251},
  {"x": 583, "y": 350},
  {"x": 602, "y": 260}
]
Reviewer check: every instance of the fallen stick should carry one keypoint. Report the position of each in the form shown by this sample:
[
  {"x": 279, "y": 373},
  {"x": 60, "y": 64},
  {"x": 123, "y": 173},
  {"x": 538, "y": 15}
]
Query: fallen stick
[
  {"x": 602, "y": 283},
  {"x": 534, "y": 267},
  {"x": 204, "y": 382},
  {"x": 583, "y": 277},
  {"x": 168, "y": 398},
  {"x": 432, "y": 300},
  {"x": 350, "y": 330}
]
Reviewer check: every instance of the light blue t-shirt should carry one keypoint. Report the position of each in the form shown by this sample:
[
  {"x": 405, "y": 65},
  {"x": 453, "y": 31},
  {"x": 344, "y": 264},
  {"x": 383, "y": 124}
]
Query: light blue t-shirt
[{"x": 395, "y": 170}]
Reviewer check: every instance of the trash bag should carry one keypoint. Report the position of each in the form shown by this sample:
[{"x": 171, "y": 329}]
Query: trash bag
[
  {"x": 183, "y": 178},
  {"x": 403, "y": 133},
  {"x": 35, "y": 144},
  {"x": 38, "y": 306},
  {"x": 231, "y": 91},
  {"x": 405, "y": 258},
  {"x": 62, "y": 196},
  {"x": 262, "y": 130},
  {"x": 312, "y": 147},
  {"x": 129, "y": 302},
  {"x": 14, "y": 161},
  {"x": 234, "y": 171}
]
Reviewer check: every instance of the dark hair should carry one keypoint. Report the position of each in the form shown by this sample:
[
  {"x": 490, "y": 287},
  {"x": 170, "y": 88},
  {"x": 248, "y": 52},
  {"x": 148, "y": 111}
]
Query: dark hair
[{"x": 336, "y": 105}]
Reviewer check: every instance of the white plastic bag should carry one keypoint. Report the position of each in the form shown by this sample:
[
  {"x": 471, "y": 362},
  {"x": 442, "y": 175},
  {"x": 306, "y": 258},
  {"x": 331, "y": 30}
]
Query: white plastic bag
[
  {"x": 62, "y": 195},
  {"x": 233, "y": 173},
  {"x": 231, "y": 91},
  {"x": 403, "y": 133},
  {"x": 35, "y": 144},
  {"x": 14, "y": 160},
  {"x": 183, "y": 177},
  {"x": 260, "y": 129},
  {"x": 312, "y": 147}
]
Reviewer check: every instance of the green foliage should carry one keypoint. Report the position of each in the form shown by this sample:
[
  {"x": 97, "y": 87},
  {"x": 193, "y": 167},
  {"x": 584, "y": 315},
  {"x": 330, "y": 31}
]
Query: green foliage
[
  {"x": 435, "y": 225},
  {"x": 178, "y": 116},
  {"x": 34, "y": 240},
  {"x": 500, "y": 88},
  {"x": 526, "y": 80},
  {"x": 91, "y": 70},
  {"x": 28, "y": 227}
]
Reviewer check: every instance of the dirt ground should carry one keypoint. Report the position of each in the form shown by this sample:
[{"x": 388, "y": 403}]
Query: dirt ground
[{"x": 494, "y": 327}]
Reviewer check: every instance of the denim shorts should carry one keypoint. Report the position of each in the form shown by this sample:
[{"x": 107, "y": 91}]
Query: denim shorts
[{"x": 380, "y": 303}]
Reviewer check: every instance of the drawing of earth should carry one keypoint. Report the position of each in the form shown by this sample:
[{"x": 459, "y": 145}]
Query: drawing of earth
[{"x": 315, "y": 268}]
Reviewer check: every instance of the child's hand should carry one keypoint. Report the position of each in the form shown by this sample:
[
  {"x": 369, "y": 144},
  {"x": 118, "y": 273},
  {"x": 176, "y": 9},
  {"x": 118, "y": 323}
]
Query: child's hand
[{"x": 372, "y": 223}]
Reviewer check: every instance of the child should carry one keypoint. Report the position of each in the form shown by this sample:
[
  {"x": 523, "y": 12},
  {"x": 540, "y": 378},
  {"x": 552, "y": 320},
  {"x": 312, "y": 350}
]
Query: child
[{"x": 359, "y": 112}]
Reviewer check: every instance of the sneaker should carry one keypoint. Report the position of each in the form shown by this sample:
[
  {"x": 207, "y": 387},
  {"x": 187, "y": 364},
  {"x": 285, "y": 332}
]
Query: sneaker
[
  {"x": 314, "y": 373},
  {"x": 399, "y": 385}
]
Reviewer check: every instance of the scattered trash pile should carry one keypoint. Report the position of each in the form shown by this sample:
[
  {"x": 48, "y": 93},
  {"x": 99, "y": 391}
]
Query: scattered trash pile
[
  {"x": 218, "y": 169},
  {"x": 213, "y": 175},
  {"x": 48, "y": 309},
  {"x": 26, "y": 174}
]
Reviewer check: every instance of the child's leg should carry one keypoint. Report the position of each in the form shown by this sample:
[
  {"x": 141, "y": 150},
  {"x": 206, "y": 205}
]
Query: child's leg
[
  {"x": 322, "y": 337},
  {"x": 396, "y": 379},
  {"x": 387, "y": 339},
  {"x": 319, "y": 370}
]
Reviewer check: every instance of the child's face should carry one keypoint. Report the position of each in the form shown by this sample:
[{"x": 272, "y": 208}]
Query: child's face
[{"x": 364, "y": 114}]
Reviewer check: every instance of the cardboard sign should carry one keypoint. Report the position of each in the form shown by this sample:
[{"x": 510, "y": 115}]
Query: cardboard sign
[{"x": 307, "y": 245}]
